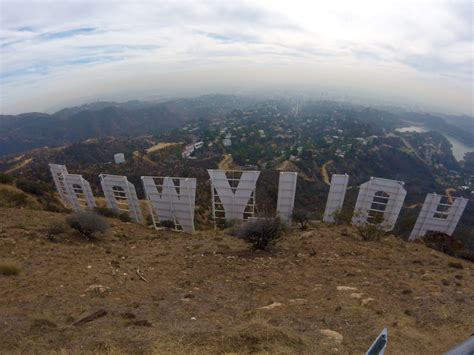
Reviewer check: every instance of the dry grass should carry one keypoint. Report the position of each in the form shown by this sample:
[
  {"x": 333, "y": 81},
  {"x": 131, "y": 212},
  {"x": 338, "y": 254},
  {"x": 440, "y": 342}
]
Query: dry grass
[
  {"x": 207, "y": 293},
  {"x": 9, "y": 269},
  {"x": 256, "y": 335},
  {"x": 11, "y": 196}
]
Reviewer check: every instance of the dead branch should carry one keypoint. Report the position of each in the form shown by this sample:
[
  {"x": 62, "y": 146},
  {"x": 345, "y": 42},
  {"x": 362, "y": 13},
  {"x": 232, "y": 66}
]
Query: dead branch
[
  {"x": 141, "y": 276},
  {"x": 91, "y": 317}
]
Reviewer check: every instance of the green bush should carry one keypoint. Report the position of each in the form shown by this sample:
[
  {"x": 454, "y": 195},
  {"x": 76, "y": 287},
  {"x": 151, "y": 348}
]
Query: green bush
[
  {"x": 5, "y": 178},
  {"x": 87, "y": 223},
  {"x": 9, "y": 269},
  {"x": 261, "y": 233}
]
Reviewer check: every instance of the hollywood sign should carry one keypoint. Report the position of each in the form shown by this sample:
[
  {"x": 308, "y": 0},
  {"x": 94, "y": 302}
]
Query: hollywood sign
[{"x": 234, "y": 198}]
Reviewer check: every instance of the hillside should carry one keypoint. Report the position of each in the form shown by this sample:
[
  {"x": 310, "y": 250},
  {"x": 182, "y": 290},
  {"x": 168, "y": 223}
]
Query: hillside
[{"x": 318, "y": 291}]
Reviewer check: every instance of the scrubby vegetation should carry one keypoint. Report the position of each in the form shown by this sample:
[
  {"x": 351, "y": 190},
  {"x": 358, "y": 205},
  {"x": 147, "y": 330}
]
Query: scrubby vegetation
[
  {"x": 55, "y": 229},
  {"x": 260, "y": 233},
  {"x": 89, "y": 224},
  {"x": 11, "y": 198},
  {"x": 106, "y": 212},
  {"x": 5, "y": 178},
  {"x": 9, "y": 269},
  {"x": 124, "y": 217},
  {"x": 370, "y": 232},
  {"x": 111, "y": 213},
  {"x": 224, "y": 223},
  {"x": 342, "y": 217},
  {"x": 32, "y": 187},
  {"x": 448, "y": 245}
]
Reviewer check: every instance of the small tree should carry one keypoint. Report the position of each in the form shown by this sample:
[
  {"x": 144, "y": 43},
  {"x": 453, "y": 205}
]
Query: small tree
[
  {"x": 261, "y": 233},
  {"x": 301, "y": 217},
  {"x": 87, "y": 223}
]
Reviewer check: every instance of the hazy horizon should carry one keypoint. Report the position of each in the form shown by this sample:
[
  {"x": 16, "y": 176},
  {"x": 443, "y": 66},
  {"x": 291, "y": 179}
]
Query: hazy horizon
[{"x": 59, "y": 54}]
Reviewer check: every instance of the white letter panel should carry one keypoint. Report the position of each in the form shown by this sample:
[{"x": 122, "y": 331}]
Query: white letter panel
[
  {"x": 121, "y": 196},
  {"x": 286, "y": 195},
  {"x": 336, "y": 196},
  {"x": 170, "y": 201},
  {"x": 234, "y": 200},
  {"x": 80, "y": 192},
  {"x": 59, "y": 173},
  {"x": 438, "y": 215},
  {"x": 379, "y": 199}
]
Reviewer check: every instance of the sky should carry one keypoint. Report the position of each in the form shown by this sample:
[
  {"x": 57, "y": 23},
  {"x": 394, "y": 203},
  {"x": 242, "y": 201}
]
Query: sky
[{"x": 62, "y": 53}]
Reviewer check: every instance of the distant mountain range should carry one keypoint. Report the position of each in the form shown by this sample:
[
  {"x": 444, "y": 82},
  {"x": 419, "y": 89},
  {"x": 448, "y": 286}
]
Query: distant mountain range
[{"x": 20, "y": 133}]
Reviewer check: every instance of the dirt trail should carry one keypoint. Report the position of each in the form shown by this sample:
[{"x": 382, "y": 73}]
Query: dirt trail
[
  {"x": 324, "y": 172},
  {"x": 448, "y": 194},
  {"x": 148, "y": 160},
  {"x": 160, "y": 146},
  {"x": 204, "y": 292},
  {"x": 227, "y": 163},
  {"x": 20, "y": 165},
  {"x": 288, "y": 165},
  {"x": 411, "y": 149}
]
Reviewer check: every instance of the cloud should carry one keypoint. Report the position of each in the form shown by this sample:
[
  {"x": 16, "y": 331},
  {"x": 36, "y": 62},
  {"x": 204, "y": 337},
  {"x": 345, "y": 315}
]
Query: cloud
[
  {"x": 70, "y": 47},
  {"x": 64, "y": 34}
]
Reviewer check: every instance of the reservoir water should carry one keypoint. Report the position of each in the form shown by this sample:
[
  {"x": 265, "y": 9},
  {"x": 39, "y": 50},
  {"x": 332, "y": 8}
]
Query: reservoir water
[{"x": 458, "y": 148}]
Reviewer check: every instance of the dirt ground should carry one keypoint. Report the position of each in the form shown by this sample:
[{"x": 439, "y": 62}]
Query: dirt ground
[{"x": 321, "y": 291}]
